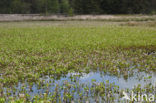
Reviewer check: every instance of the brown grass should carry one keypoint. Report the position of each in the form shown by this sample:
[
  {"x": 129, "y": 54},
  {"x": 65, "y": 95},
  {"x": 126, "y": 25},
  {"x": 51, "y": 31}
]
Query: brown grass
[{"x": 25, "y": 17}]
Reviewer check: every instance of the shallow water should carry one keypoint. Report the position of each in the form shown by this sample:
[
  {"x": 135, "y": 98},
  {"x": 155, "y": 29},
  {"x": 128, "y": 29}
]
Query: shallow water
[
  {"x": 98, "y": 76},
  {"x": 83, "y": 79},
  {"x": 130, "y": 82}
]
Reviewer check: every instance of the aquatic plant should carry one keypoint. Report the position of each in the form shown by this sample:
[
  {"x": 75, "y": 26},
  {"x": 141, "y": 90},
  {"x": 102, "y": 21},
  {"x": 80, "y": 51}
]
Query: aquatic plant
[{"x": 29, "y": 54}]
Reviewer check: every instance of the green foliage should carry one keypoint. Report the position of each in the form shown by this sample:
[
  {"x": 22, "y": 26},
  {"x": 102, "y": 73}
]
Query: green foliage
[
  {"x": 18, "y": 6},
  {"x": 31, "y": 51},
  {"x": 64, "y": 7},
  {"x": 87, "y": 6},
  {"x": 5, "y": 6},
  {"x": 70, "y": 12},
  {"x": 53, "y": 6},
  {"x": 28, "y": 52},
  {"x": 125, "y": 6},
  {"x": 69, "y": 7}
]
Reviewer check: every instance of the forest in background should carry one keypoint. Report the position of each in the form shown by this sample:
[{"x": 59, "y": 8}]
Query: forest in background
[{"x": 70, "y": 7}]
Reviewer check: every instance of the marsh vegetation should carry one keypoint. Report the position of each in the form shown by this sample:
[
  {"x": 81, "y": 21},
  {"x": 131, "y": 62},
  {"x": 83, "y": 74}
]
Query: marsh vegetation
[{"x": 75, "y": 61}]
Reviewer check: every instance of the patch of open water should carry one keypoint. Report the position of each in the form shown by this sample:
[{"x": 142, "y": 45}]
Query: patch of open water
[{"x": 79, "y": 79}]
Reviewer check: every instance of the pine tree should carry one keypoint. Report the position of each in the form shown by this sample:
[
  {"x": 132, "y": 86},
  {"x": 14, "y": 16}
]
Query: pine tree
[
  {"x": 64, "y": 7},
  {"x": 53, "y": 6}
]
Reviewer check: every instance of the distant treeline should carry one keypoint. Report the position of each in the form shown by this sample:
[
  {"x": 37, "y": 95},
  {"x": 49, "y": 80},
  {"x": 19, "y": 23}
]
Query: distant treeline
[{"x": 70, "y": 7}]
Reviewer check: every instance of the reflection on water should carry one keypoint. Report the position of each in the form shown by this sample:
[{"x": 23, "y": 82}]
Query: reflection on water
[
  {"x": 81, "y": 79},
  {"x": 137, "y": 78}
]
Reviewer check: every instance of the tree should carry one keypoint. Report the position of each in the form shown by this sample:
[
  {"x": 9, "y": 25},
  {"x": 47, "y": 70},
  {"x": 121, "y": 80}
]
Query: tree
[
  {"x": 53, "y": 6},
  {"x": 87, "y": 6},
  {"x": 91, "y": 6},
  {"x": 138, "y": 6},
  {"x": 78, "y": 6},
  {"x": 64, "y": 7},
  {"x": 69, "y": 7},
  {"x": 5, "y": 6},
  {"x": 153, "y": 6},
  {"x": 18, "y": 6}
]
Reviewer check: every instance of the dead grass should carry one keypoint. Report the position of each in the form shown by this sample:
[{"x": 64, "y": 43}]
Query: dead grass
[
  {"x": 119, "y": 18},
  {"x": 134, "y": 23}
]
